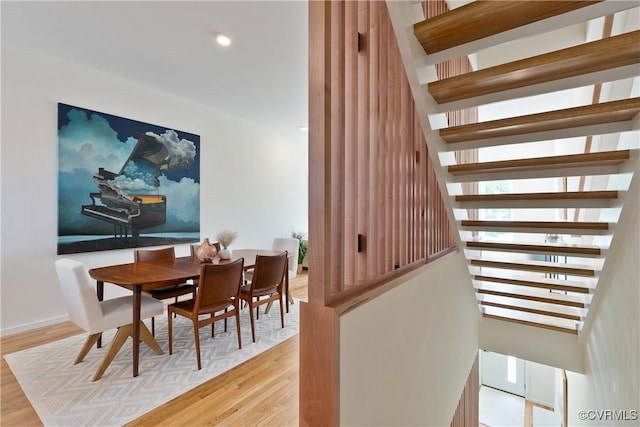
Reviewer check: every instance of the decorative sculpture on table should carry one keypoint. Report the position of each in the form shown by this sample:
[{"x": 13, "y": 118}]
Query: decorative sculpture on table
[
  {"x": 226, "y": 237},
  {"x": 206, "y": 251}
]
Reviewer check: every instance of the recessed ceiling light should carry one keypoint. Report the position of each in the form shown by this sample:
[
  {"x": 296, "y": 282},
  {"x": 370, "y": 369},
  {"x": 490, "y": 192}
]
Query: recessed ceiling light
[
  {"x": 223, "y": 40},
  {"x": 304, "y": 128}
]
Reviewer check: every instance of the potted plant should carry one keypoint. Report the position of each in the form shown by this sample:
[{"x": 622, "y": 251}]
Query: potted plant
[{"x": 303, "y": 247}]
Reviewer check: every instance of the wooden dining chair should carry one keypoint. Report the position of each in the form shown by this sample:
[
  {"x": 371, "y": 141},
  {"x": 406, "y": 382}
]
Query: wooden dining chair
[
  {"x": 218, "y": 288},
  {"x": 266, "y": 285},
  {"x": 95, "y": 316},
  {"x": 172, "y": 290}
]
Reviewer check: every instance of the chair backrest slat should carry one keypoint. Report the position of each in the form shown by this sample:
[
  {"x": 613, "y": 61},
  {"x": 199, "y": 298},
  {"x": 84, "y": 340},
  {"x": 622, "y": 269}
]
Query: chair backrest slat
[
  {"x": 144, "y": 255},
  {"x": 269, "y": 272},
  {"x": 218, "y": 283}
]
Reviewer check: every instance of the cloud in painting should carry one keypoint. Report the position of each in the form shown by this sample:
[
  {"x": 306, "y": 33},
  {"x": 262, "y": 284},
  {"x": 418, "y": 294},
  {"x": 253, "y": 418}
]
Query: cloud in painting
[
  {"x": 89, "y": 142},
  {"x": 183, "y": 205},
  {"x": 182, "y": 152},
  {"x": 136, "y": 179}
]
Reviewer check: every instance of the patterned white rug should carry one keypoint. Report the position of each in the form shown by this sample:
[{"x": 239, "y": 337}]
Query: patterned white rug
[{"x": 64, "y": 395}]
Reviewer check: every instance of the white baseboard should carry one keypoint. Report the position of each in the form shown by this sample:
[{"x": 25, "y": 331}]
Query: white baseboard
[{"x": 29, "y": 326}]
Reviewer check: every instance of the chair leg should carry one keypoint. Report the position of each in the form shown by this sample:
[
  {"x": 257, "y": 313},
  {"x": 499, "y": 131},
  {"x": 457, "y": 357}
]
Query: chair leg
[
  {"x": 174, "y": 314},
  {"x": 148, "y": 339},
  {"x": 253, "y": 326},
  {"x": 91, "y": 340},
  {"x": 170, "y": 330},
  {"x": 225, "y": 322},
  {"x": 237, "y": 308},
  {"x": 197, "y": 339},
  {"x": 153, "y": 326},
  {"x": 213, "y": 325},
  {"x": 121, "y": 336},
  {"x": 281, "y": 311},
  {"x": 269, "y": 304}
]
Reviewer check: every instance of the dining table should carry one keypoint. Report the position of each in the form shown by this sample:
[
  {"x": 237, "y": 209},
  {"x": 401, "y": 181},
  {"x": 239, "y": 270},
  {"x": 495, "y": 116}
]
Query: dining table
[{"x": 144, "y": 276}]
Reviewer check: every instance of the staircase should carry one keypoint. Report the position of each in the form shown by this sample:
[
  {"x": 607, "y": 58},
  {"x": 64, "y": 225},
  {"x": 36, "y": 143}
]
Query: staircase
[{"x": 552, "y": 183}]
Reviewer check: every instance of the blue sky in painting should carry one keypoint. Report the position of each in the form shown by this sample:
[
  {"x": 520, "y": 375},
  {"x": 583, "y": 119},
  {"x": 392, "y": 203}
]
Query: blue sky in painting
[{"x": 88, "y": 140}]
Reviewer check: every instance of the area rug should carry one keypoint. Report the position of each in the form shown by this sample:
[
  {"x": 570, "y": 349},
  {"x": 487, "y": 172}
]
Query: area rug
[{"x": 63, "y": 394}]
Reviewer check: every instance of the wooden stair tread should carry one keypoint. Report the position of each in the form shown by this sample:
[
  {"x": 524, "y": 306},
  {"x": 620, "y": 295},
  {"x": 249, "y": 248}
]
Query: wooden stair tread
[
  {"x": 560, "y": 325},
  {"x": 539, "y": 266},
  {"x": 539, "y": 282},
  {"x": 543, "y": 163},
  {"x": 536, "y": 224},
  {"x": 533, "y": 310},
  {"x": 551, "y": 248},
  {"x": 599, "y": 55},
  {"x": 532, "y": 295},
  {"x": 478, "y": 20},
  {"x": 607, "y": 112},
  {"x": 567, "y": 195}
]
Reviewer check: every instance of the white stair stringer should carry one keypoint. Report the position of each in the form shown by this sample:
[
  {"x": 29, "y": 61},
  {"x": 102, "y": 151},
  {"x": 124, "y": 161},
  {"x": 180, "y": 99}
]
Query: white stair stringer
[{"x": 515, "y": 304}]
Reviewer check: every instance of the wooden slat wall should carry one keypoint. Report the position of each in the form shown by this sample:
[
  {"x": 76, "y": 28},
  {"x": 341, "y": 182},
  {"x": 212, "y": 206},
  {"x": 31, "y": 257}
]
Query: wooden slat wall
[
  {"x": 369, "y": 168},
  {"x": 468, "y": 407},
  {"x": 451, "y": 68}
]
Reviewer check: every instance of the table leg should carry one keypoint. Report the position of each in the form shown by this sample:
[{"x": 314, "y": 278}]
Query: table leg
[
  {"x": 137, "y": 302},
  {"x": 286, "y": 284},
  {"x": 100, "y": 292}
]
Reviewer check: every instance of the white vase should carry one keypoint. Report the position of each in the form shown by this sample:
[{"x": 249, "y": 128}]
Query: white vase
[{"x": 225, "y": 253}]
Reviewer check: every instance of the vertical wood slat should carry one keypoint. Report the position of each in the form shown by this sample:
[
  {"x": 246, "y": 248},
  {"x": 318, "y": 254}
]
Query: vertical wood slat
[
  {"x": 336, "y": 192},
  {"x": 363, "y": 179},
  {"x": 320, "y": 141},
  {"x": 350, "y": 141},
  {"x": 466, "y": 413},
  {"x": 375, "y": 180},
  {"x": 383, "y": 199},
  {"x": 374, "y": 127}
]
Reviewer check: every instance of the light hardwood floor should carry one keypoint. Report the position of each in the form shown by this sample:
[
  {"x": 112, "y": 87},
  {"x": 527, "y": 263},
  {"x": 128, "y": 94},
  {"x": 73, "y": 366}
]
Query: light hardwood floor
[{"x": 261, "y": 392}]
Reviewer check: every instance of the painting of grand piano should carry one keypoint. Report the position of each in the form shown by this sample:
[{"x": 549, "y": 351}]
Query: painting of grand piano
[{"x": 124, "y": 183}]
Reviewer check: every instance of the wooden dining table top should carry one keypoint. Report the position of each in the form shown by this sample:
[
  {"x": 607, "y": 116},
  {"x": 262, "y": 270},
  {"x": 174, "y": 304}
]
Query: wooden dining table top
[{"x": 156, "y": 274}]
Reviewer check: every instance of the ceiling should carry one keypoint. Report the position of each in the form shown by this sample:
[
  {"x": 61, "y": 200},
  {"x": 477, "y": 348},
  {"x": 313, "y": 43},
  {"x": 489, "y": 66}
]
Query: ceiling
[{"x": 169, "y": 46}]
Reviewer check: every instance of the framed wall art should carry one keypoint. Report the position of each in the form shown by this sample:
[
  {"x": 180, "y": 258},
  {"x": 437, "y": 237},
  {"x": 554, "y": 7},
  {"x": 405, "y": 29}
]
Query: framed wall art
[{"x": 123, "y": 183}]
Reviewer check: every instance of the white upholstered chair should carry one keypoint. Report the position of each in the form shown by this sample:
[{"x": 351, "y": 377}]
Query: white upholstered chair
[
  {"x": 282, "y": 244},
  {"x": 96, "y": 316},
  {"x": 290, "y": 245}
]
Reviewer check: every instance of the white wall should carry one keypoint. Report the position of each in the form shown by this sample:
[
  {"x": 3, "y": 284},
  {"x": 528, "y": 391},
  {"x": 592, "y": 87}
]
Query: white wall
[
  {"x": 405, "y": 355},
  {"x": 252, "y": 181},
  {"x": 559, "y": 349},
  {"x": 612, "y": 342}
]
